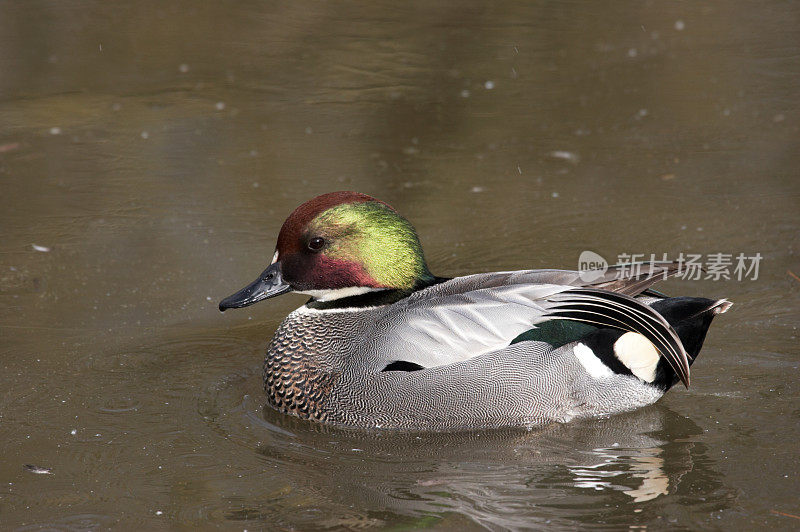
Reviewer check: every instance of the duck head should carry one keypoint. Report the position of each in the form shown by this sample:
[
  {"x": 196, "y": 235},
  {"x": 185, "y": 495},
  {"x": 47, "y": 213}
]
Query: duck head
[{"x": 338, "y": 245}]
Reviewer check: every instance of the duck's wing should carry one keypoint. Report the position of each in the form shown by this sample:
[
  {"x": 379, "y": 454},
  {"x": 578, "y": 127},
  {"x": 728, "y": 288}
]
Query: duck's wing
[
  {"x": 471, "y": 316},
  {"x": 628, "y": 279}
]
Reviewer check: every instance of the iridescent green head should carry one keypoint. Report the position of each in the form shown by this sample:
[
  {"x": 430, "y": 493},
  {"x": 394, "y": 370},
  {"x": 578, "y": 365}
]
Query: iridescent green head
[{"x": 337, "y": 245}]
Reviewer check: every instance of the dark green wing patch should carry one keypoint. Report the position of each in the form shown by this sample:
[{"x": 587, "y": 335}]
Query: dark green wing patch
[{"x": 555, "y": 332}]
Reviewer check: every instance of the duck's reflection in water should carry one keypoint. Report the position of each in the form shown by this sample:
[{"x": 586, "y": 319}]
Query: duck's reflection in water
[
  {"x": 635, "y": 467},
  {"x": 602, "y": 470},
  {"x": 646, "y": 464}
]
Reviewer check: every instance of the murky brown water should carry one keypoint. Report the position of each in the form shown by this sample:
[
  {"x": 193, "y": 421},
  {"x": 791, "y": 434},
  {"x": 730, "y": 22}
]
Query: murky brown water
[{"x": 153, "y": 150}]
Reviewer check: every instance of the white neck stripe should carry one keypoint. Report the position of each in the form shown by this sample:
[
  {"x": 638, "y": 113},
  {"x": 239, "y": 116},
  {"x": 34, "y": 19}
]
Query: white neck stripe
[
  {"x": 338, "y": 293},
  {"x": 308, "y": 310}
]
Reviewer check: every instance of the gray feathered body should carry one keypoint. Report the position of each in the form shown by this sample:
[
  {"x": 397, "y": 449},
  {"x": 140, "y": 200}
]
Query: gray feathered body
[{"x": 326, "y": 365}]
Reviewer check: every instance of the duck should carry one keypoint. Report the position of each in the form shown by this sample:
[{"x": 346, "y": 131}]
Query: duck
[{"x": 382, "y": 343}]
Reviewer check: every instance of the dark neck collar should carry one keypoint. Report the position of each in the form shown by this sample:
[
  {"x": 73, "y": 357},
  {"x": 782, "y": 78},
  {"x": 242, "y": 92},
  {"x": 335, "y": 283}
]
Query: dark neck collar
[{"x": 374, "y": 299}]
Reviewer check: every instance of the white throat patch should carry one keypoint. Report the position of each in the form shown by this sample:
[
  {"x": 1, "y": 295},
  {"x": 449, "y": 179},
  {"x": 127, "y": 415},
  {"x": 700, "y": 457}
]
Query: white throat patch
[{"x": 338, "y": 293}]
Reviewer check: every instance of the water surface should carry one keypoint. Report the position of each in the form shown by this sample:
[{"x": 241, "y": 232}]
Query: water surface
[{"x": 151, "y": 151}]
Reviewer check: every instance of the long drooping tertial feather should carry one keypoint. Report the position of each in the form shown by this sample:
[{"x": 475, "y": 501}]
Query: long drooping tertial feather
[{"x": 618, "y": 311}]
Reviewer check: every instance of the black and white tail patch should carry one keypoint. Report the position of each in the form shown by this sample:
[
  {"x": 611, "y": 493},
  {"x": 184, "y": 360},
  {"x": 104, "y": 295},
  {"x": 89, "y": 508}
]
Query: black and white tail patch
[
  {"x": 620, "y": 312},
  {"x": 606, "y": 352}
]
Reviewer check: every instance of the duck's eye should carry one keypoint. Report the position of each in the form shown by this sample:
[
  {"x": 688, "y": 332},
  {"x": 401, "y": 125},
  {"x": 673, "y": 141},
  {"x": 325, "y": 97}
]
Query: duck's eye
[{"x": 316, "y": 243}]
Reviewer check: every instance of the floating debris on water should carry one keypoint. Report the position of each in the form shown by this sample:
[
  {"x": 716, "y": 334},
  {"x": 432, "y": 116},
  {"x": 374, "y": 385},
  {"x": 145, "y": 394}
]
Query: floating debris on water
[
  {"x": 36, "y": 470},
  {"x": 55, "y": 130},
  {"x": 43, "y": 249},
  {"x": 679, "y": 25},
  {"x": 220, "y": 106},
  {"x": 478, "y": 189},
  {"x": 555, "y": 194},
  {"x": 489, "y": 85},
  {"x": 145, "y": 135},
  {"x": 11, "y": 146},
  {"x": 565, "y": 156},
  {"x": 465, "y": 93},
  {"x": 183, "y": 68}
]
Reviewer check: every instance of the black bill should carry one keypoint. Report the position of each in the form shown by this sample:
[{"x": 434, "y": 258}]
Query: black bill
[{"x": 269, "y": 284}]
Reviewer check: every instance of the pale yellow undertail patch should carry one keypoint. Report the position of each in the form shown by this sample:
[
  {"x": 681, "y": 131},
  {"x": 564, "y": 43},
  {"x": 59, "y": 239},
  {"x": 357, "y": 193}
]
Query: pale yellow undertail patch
[{"x": 638, "y": 354}]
